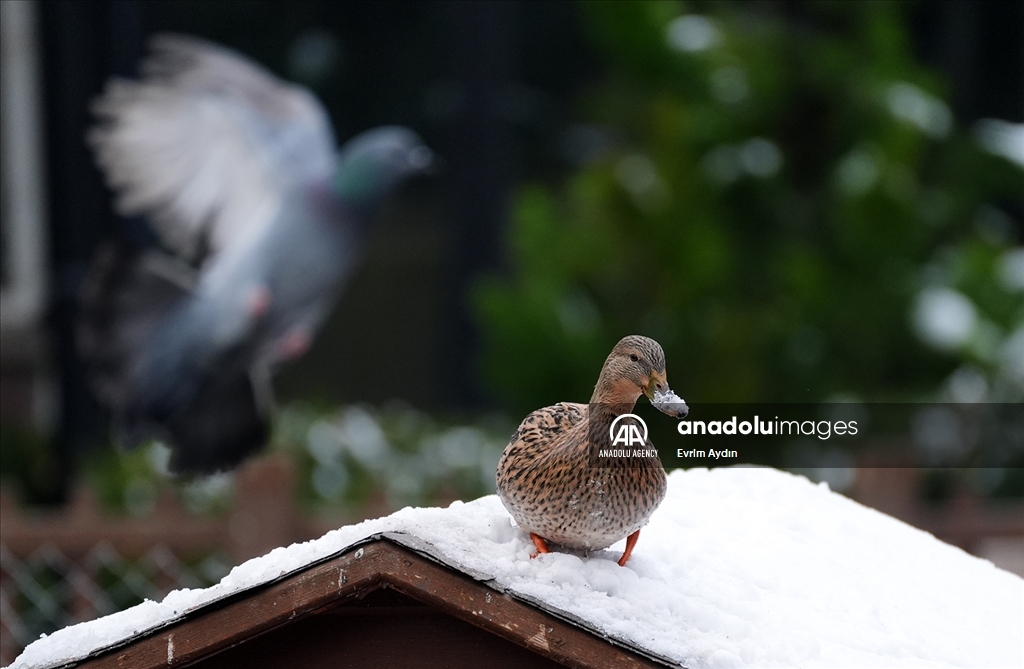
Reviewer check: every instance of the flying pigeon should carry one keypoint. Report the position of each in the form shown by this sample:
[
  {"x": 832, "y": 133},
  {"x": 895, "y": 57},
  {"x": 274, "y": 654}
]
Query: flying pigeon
[{"x": 238, "y": 173}]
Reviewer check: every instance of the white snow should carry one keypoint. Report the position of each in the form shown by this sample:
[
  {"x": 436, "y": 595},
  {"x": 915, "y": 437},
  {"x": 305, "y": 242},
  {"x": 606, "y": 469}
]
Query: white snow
[
  {"x": 738, "y": 567},
  {"x": 666, "y": 400}
]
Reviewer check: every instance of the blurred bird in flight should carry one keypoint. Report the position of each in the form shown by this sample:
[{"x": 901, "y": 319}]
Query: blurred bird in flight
[{"x": 261, "y": 221}]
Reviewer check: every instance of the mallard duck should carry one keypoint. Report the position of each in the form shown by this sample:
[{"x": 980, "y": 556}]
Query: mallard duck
[{"x": 550, "y": 479}]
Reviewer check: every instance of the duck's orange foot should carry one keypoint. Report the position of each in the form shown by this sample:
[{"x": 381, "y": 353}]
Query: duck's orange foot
[
  {"x": 630, "y": 542},
  {"x": 542, "y": 546}
]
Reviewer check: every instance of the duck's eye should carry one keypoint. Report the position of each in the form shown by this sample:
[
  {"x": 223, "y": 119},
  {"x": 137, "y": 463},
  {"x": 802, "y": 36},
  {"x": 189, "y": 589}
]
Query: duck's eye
[{"x": 634, "y": 357}]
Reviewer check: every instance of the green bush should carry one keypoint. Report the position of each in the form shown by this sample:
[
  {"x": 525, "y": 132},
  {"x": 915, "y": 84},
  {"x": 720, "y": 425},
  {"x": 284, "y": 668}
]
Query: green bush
[{"x": 770, "y": 197}]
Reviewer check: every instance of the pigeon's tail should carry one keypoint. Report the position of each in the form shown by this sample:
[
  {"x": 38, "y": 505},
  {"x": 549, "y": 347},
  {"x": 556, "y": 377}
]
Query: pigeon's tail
[
  {"x": 125, "y": 297},
  {"x": 220, "y": 427},
  {"x": 216, "y": 420}
]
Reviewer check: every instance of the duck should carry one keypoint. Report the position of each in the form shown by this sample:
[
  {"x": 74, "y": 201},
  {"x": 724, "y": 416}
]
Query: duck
[{"x": 551, "y": 479}]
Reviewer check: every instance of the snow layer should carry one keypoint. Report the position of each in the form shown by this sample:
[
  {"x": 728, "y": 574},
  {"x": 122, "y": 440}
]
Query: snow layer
[
  {"x": 667, "y": 401},
  {"x": 738, "y": 567}
]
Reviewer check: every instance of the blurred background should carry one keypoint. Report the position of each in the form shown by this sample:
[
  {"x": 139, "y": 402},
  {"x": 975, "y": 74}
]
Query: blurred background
[{"x": 801, "y": 201}]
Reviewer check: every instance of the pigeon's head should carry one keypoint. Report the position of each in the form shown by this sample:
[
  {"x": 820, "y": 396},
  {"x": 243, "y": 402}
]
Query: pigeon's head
[{"x": 374, "y": 162}]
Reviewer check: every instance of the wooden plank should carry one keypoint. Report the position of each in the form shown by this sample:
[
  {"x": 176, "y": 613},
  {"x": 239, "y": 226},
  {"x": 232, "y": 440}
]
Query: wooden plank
[
  {"x": 263, "y": 518},
  {"x": 390, "y": 631},
  {"x": 348, "y": 577},
  {"x": 80, "y": 528},
  {"x": 250, "y": 614},
  {"x": 503, "y": 615}
]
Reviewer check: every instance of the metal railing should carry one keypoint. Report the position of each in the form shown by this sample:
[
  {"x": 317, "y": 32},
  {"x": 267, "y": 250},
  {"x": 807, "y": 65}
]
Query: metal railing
[
  {"x": 72, "y": 565},
  {"x": 48, "y": 589}
]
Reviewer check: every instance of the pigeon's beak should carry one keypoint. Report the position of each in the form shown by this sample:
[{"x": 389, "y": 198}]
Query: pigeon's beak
[
  {"x": 662, "y": 397},
  {"x": 424, "y": 161}
]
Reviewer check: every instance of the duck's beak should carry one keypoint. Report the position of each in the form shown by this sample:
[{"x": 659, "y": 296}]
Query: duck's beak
[{"x": 662, "y": 397}]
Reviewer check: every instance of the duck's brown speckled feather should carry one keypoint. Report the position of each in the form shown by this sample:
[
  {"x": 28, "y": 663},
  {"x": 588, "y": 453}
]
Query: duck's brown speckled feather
[{"x": 547, "y": 480}]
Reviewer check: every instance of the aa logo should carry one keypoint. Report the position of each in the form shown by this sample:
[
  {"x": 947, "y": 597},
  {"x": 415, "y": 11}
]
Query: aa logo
[{"x": 628, "y": 433}]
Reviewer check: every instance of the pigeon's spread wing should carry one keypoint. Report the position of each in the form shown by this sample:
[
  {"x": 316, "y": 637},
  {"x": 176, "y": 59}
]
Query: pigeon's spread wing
[{"x": 207, "y": 143}]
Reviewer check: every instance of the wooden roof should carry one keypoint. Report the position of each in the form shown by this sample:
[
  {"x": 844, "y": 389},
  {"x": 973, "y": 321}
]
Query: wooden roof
[{"x": 387, "y": 601}]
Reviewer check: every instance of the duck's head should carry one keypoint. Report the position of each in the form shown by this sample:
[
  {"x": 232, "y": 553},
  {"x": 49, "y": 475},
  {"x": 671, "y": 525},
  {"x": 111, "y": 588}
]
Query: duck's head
[{"x": 637, "y": 366}]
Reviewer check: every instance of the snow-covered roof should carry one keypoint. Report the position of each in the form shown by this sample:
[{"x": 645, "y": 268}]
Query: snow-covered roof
[{"x": 738, "y": 567}]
